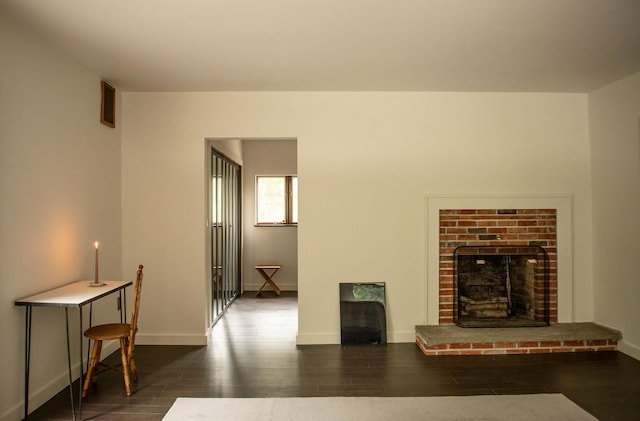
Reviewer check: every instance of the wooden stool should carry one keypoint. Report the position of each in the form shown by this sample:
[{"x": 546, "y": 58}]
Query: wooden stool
[{"x": 268, "y": 278}]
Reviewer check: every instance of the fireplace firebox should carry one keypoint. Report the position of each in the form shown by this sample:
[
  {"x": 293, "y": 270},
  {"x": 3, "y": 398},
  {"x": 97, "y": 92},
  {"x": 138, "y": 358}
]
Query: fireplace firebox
[{"x": 501, "y": 286}]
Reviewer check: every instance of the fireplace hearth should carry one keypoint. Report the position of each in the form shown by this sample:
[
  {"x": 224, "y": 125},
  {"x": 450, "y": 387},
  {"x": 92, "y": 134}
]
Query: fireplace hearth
[{"x": 501, "y": 286}]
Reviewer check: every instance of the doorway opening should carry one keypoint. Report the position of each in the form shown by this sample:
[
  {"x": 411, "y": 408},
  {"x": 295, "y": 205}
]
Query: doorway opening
[{"x": 236, "y": 239}]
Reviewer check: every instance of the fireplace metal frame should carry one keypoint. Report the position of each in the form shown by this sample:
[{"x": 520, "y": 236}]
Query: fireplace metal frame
[{"x": 503, "y": 250}]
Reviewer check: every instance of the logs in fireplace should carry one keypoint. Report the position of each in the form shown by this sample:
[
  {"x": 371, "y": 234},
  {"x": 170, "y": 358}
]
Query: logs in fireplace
[{"x": 502, "y": 286}]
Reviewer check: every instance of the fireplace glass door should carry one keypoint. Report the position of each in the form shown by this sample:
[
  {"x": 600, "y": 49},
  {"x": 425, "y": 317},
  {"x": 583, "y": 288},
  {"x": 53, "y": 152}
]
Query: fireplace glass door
[{"x": 363, "y": 319}]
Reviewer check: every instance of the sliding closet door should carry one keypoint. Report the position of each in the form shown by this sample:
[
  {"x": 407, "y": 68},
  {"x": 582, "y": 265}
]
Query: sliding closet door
[{"x": 225, "y": 233}]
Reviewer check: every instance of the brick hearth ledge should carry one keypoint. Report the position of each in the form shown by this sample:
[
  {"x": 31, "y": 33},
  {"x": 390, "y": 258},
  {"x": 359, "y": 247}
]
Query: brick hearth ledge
[{"x": 559, "y": 337}]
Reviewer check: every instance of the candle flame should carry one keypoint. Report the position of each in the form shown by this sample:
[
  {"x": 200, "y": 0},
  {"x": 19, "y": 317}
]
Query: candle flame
[{"x": 96, "y": 244}]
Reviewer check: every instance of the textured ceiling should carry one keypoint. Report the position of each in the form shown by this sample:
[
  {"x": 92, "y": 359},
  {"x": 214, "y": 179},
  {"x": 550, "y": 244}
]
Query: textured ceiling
[{"x": 343, "y": 45}]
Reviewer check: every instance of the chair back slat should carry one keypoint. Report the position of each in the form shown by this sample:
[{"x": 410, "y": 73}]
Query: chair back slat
[{"x": 134, "y": 312}]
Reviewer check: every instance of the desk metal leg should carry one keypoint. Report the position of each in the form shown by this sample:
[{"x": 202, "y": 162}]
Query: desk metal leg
[
  {"x": 81, "y": 368},
  {"x": 89, "y": 341},
  {"x": 27, "y": 358},
  {"x": 66, "y": 314},
  {"x": 123, "y": 305}
]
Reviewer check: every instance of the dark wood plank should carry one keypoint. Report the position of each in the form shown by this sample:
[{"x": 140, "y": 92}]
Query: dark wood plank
[{"x": 252, "y": 353}]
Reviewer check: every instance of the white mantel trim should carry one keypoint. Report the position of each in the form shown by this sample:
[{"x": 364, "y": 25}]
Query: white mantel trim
[{"x": 562, "y": 203}]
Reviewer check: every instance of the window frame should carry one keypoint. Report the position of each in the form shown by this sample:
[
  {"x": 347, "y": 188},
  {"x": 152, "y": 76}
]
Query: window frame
[{"x": 288, "y": 205}]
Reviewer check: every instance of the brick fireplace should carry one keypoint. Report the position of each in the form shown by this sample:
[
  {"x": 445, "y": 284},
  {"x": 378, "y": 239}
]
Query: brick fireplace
[
  {"x": 499, "y": 229},
  {"x": 510, "y": 225}
]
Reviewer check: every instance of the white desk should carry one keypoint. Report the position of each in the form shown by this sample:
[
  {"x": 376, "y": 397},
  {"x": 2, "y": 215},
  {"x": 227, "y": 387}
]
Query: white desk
[{"x": 74, "y": 295}]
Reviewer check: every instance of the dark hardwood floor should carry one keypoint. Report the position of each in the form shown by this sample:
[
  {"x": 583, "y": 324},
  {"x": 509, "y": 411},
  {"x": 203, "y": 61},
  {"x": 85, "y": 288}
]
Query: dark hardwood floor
[{"x": 252, "y": 353}]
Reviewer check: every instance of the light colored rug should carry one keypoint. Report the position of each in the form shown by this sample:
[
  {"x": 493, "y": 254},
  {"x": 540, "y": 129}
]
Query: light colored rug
[{"x": 493, "y": 407}]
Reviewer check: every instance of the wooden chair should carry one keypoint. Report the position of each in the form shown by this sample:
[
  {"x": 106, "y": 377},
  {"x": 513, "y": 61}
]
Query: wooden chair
[{"x": 125, "y": 333}]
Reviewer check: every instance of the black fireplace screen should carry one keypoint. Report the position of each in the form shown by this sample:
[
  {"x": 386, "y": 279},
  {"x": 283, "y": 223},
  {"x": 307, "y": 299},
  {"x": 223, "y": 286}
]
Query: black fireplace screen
[{"x": 501, "y": 286}]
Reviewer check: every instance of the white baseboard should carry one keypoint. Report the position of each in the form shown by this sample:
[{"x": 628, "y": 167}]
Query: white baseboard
[
  {"x": 318, "y": 339},
  {"x": 631, "y": 350},
  {"x": 334, "y": 338},
  {"x": 171, "y": 339},
  {"x": 401, "y": 337}
]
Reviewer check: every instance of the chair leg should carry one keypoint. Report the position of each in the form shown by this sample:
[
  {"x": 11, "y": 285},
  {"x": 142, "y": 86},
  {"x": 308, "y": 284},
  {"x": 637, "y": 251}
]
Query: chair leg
[
  {"x": 92, "y": 371},
  {"x": 96, "y": 363},
  {"x": 132, "y": 363},
  {"x": 125, "y": 365},
  {"x": 134, "y": 371}
]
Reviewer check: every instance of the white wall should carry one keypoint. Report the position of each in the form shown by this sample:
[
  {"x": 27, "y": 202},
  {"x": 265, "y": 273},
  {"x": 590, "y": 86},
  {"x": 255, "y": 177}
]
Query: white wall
[
  {"x": 365, "y": 163},
  {"x": 59, "y": 192},
  {"x": 614, "y": 115},
  {"x": 267, "y": 245}
]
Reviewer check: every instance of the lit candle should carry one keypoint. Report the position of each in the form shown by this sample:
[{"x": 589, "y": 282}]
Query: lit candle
[{"x": 96, "y": 244}]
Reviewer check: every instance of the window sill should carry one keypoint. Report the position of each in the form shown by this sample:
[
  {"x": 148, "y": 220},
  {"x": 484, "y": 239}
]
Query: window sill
[{"x": 275, "y": 225}]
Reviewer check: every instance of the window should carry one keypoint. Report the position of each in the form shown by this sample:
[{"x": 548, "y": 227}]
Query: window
[{"x": 277, "y": 200}]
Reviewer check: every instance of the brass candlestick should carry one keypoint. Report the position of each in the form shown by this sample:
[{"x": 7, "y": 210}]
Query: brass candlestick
[{"x": 96, "y": 283}]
